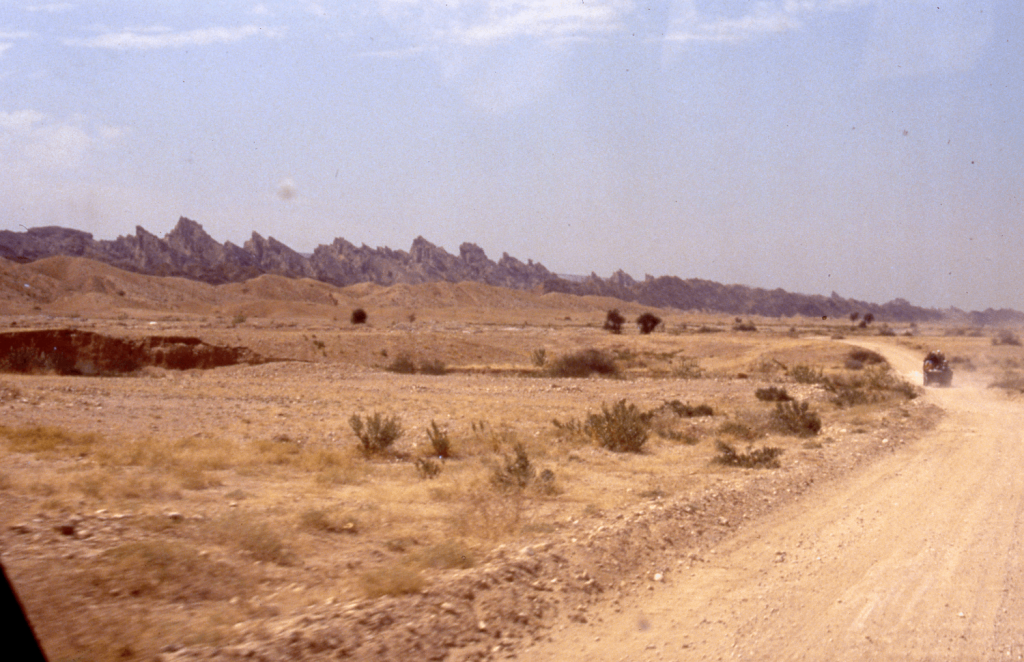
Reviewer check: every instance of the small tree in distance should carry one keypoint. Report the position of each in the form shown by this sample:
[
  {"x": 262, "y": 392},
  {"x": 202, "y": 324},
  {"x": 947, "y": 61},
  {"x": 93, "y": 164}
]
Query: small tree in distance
[
  {"x": 359, "y": 316},
  {"x": 648, "y": 322},
  {"x": 614, "y": 321}
]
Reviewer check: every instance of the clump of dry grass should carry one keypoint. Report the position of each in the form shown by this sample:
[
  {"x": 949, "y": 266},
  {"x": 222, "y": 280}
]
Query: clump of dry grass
[
  {"x": 254, "y": 536},
  {"x": 328, "y": 521},
  {"x": 445, "y": 555},
  {"x": 165, "y": 569},
  {"x": 488, "y": 514},
  {"x": 49, "y": 440},
  {"x": 400, "y": 579}
]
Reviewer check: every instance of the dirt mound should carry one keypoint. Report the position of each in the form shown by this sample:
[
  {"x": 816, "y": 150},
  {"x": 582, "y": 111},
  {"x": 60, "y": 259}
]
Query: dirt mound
[{"x": 76, "y": 352}]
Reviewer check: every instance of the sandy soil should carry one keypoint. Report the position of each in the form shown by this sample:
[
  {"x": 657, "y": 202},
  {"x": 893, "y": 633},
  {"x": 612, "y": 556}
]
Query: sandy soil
[
  {"x": 915, "y": 557},
  {"x": 882, "y": 537}
]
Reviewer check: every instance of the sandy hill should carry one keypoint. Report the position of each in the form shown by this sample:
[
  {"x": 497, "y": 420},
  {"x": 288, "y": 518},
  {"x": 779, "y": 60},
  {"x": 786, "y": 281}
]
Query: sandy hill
[{"x": 72, "y": 285}]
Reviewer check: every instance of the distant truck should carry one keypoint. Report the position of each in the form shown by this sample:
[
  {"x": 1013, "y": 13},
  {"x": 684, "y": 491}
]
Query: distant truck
[{"x": 936, "y": 370}]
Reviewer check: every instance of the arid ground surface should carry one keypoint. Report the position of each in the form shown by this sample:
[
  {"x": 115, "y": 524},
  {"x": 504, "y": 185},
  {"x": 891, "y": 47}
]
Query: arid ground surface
[{"x": 229, "y": 513}]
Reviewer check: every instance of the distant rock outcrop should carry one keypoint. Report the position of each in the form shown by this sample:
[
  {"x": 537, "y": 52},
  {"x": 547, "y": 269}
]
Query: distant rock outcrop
[{"x": 189, "y": 252}]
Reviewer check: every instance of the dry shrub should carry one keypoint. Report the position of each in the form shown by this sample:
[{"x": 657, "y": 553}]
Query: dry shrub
[
  {"x": 583, "y": 363},
  {"x": 400, "y": 579},
  {"x": 1006, "y": 337},
  {"x": 195, "y": 478},
  {"x": 328, "y": 521},
  {"x": 440, "y": 442},
  {"x": 805, "y": 374},
  {"x": 489, "y": 514},
  {"x": 48, "y": 440},
  {"x": 446, "y": 555},
  {"x": 1009, "y": 380},
  {"x": 797, "y": 418},
  {"x": 515, "y": 472},
  {"x": 622, "y": 428},
  {"x": 486, "y": 439},
  {"x": 254, "y": 536},
  {"x": 687, "y": 368},
  {"x": 433, "y": 367},
  {"x": 92, "y": 484},
  {"x": 402, "y": 364},
  {"x": 376, "y": 432},
  {"x": 861, "y": 357},
  {"x": 875, "y": 384},
  {"x": 165, "y": 569},
  {"x": 428, "y": 467},
  {"x": 754, "y": 458},
  {"x": 740, "y": 429},
  {"x": 772, "y": 394}
]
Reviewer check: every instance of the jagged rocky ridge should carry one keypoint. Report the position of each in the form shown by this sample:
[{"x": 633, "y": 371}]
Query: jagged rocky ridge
[{"x": 189, "y": 252}]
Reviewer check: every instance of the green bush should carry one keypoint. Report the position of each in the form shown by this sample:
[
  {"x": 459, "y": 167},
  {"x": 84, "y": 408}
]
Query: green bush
[
  {"x": 613, "y": 321},
  {"x": 583, "y": 363},
  {"x": 623, "y": 428},
  {"x": 375, "y": 433},
  {"x": 647, "y": 323}
]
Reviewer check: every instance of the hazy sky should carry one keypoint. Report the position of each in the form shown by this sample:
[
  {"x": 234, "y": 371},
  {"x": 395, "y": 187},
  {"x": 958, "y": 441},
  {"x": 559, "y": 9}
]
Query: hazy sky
[{"x": 870, "y": 147}]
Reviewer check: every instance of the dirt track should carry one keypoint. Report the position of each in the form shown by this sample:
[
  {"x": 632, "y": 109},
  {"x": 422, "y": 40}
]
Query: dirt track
[{"x": 919, "y": 556}]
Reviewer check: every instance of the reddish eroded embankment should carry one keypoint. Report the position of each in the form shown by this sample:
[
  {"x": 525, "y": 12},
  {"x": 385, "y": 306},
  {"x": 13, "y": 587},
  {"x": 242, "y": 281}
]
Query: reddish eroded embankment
[{"x": 76, "y": 352}]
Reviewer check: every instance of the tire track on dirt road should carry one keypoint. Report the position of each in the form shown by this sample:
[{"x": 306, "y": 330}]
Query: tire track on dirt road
[{"x": 915, "y": 557}]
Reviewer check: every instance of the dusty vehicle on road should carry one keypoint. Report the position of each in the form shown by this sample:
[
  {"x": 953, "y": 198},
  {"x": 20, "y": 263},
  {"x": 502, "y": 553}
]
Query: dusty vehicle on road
[{"x": 937, "y": 370}]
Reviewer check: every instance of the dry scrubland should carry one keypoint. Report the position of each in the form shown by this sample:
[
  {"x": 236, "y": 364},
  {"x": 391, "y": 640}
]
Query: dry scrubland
[{"x": 182, "y": 513}]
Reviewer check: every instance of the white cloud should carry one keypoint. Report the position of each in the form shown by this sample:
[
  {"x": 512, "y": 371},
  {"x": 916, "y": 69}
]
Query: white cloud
[
  {"x": 59, "y": 146},
  {"x": 4, "y": 48},
  {"x": 153, "y": 38},
  {"x": 542, "y": 19},
  {"x": 484, "y": 22},
  {"x": 395, "y": 54},
  {"x": 51, "y": 8},
  {"x": 32, "y": 141},
  {"x": 766, "y": 18},
  {"x": 20, "y": 120},
  {"x": 316, "y": 9}
]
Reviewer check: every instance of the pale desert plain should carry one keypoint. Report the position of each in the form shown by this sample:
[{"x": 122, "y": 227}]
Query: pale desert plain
[{"x": 233, "y": 513}]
